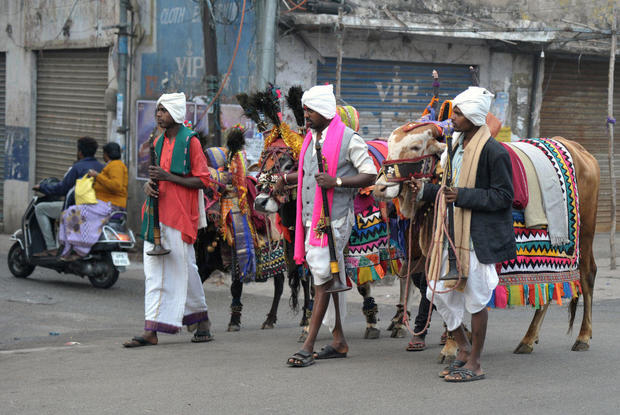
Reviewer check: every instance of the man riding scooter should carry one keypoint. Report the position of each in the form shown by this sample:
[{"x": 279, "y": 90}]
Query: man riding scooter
[{"x": 48, "y": 211}]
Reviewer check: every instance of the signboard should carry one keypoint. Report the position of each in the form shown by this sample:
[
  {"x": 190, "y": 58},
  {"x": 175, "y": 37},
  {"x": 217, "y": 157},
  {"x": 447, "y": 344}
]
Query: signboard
[
  {"x": 145, "y": 124},
  {"x": 178, "y": 62}
]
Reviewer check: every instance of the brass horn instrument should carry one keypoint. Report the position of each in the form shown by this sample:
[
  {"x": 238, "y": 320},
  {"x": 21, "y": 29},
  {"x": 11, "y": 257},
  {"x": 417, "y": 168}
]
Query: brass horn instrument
[{"x": 158, "y": 249}]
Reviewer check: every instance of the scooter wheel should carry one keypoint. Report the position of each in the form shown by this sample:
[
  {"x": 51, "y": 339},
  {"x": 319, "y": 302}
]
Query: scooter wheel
[
  {"x": 18, "y": 262},
  {"x": 105, "y": 280}
]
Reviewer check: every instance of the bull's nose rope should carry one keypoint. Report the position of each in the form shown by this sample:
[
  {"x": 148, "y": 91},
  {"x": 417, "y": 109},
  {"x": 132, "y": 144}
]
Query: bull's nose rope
[{"x": 438, "y": 256}]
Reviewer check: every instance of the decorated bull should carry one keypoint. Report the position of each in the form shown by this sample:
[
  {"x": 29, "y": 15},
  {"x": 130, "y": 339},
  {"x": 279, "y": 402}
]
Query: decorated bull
[{"x": 556, "y": 184}]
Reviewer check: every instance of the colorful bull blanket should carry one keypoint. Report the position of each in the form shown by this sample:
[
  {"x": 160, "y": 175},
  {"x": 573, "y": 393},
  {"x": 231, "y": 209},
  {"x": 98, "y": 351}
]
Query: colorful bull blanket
[
  {"x": 372, "y": 253},
  {"x": 543, "y": 272}
]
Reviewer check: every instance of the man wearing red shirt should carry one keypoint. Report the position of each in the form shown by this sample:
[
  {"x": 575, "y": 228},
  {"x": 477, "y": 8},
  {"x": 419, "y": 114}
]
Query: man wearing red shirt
[{"x": 173, "y": 291}]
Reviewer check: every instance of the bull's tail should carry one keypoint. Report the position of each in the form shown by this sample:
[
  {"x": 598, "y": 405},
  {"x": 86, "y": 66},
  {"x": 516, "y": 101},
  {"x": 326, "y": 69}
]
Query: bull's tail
[
  {"x": 294, "y": 282},
  {"x": 572, "y": 311}
]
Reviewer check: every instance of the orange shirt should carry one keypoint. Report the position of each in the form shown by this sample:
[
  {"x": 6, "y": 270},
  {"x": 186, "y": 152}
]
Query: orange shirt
[{"x": 178, "y": 205}]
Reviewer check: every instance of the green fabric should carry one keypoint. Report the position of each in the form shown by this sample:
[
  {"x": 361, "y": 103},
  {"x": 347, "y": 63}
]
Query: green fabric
[
  {"x": 180, "y": 165},
  {"x": 146, "y": 232}
]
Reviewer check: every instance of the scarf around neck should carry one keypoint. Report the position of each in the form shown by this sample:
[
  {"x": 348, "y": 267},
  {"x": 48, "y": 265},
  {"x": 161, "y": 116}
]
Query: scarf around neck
[
  {"x": 331, "y": 152},
  {"x": 462, "y": 217}
]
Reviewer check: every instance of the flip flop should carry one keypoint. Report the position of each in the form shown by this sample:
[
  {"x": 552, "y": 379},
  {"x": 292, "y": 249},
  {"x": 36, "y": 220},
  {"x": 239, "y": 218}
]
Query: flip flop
[
  {"x": 202, "y": 336},
  {"x": 328, "y": 352},
  {"x": 464, "y": 375},
  {"x": 416, "y": 346},
  {"x": 300, "y": 359},
  {"x": 456, "y": 364},
  {"x": 138, "y": 341}
]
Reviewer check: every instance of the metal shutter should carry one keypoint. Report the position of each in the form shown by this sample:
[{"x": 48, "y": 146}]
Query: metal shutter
[
  {"x": 2, "y": 129},
  {"x": 574, "y": 106},
  {"x": 389, "y": 94},
  {"x": 71, "y": 88}
]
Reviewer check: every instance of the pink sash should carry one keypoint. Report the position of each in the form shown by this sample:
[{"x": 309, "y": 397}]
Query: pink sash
[{"x": 331, "y": 153}]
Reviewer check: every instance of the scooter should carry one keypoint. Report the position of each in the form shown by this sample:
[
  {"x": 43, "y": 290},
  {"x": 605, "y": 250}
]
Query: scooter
[{"x": 102, "y": 265}]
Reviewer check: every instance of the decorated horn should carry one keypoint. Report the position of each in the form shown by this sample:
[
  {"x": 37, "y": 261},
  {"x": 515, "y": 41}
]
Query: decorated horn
[{"x": 158, "y": 249}]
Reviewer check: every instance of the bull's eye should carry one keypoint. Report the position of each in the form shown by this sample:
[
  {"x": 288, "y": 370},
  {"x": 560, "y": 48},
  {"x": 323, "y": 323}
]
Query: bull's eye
[{"x": 415, "y": 148}]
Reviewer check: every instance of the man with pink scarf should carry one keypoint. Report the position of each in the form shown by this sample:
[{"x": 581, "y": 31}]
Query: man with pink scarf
[{"x": 348, "y": 167}]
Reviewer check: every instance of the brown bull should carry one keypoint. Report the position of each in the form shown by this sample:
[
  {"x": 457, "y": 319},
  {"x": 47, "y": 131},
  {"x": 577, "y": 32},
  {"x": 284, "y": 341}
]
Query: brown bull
[{"x": 408, "y": 143}]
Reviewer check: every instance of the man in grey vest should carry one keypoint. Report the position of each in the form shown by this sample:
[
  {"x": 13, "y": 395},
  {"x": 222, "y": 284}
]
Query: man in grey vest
[{"x": 347, "y": 167}]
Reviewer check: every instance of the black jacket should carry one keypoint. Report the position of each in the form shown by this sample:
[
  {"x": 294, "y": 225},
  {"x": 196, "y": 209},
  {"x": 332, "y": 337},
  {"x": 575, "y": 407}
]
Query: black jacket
[{"x": 491, "y": 204}]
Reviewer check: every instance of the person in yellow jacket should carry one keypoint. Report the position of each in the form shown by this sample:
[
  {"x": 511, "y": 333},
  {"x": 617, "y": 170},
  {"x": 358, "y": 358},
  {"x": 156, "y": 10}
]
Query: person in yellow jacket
[
  {"x": 111, "y": 184},
  {"x": 81, "y": 225}
]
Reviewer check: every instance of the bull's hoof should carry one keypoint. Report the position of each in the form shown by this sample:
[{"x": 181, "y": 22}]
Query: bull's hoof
[
  {"x": 391, "y": 326},
  {"x": 398, "y": 332},
  {"x": 445, "y": 359},
  {"x": 269, "y": 322},
  {"x": 580, "y": 346},
  {"x": 303, "y": 336},
  {"x": 234, "y": 327},
  {"x": 523, "y": 348},
  {"x": 372, "y": 333}
]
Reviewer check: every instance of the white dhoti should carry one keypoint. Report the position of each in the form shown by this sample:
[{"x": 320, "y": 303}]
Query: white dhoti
[
  {"x": 318, "y": 260},
  {"x": 481, "y": 282},
  {"x": 174, "y": 296}
]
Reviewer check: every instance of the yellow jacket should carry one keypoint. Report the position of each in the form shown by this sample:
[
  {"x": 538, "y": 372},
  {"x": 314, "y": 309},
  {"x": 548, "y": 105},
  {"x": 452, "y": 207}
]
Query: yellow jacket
[{"x": 111, "y": 184}]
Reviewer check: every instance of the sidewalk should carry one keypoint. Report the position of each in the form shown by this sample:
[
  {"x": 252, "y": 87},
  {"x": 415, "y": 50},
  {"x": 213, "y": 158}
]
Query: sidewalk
[{"x": 607, "y": 284}]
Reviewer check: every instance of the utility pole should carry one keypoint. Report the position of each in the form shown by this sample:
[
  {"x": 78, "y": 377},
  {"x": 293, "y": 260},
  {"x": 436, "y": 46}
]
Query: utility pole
[
  {"x": 267, "y": 36},
  {"x": 121, "y": 96},
  {"x": 610, "y": 127},
  {"x": 211, "y": 71}
]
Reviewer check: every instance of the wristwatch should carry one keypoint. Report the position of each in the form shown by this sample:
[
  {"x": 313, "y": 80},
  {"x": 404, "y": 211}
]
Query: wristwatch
[{"x": 338, "y": 182}]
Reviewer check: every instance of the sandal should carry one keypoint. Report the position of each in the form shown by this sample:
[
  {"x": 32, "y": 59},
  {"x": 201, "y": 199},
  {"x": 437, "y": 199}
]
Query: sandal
[
  {"x": 202, "y": 336},
  {"x": 416, "y": 346},
  {"x": 138, "y": 341},
  {"x": 456, "y": 364},
  {"x": 301, "y": 359},
  {"x": 464, "y": 375},
  {"x": 329, "y": 352}
]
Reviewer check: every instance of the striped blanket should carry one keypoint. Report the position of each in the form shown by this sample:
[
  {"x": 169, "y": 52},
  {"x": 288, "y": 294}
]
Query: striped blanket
[{"x": 543, "y": 272}]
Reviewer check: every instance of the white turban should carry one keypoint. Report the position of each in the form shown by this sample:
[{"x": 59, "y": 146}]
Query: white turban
[
  {"x": 321, "y": 99},
  {"x": 474, "y": 103},
  {"x": 175, "y": 104}
]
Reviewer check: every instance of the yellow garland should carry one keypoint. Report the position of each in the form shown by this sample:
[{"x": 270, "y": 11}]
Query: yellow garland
[{"x": 293, "y": 140}]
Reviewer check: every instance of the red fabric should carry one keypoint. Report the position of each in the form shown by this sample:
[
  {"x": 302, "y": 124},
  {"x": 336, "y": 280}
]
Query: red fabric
[
  {"x": 519, "y": 180},
  {"x": 501, "y": 297},
  {"x": 178, "y": 205},
  {"x": 258, "y": 220}
]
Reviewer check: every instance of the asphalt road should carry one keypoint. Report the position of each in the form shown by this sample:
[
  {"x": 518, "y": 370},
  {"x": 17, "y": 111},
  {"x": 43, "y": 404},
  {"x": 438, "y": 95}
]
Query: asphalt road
[{"x": 245, "y": 372}]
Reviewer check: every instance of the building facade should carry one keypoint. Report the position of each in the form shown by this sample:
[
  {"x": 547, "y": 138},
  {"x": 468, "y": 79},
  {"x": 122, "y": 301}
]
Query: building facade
[{"x": 546, "y": 62}]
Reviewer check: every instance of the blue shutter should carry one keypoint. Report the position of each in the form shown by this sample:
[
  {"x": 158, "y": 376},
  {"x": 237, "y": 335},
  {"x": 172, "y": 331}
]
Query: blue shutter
[{"x": 390, "y": 93}]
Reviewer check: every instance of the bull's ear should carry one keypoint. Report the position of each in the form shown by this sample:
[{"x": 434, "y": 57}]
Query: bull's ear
[
  {"x": 254, "y": 168},
  {"x": 434, "y": 147}
]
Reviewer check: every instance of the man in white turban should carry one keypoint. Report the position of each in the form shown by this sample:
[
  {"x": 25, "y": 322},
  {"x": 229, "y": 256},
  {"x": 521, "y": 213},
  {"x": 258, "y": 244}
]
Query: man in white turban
[
  {"x": 175, "y": 104},
  {"x": 481, "y": 192},
  {"x": 174, "y": 296},
  {"x": 347, "y": 166}
]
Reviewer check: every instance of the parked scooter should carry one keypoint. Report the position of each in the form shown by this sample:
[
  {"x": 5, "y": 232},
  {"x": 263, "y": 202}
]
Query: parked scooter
[{"x": 102, "y": 265}]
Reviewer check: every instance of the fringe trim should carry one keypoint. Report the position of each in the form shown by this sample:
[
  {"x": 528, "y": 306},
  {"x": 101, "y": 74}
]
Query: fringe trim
[{"x": 535, "y": 295}]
